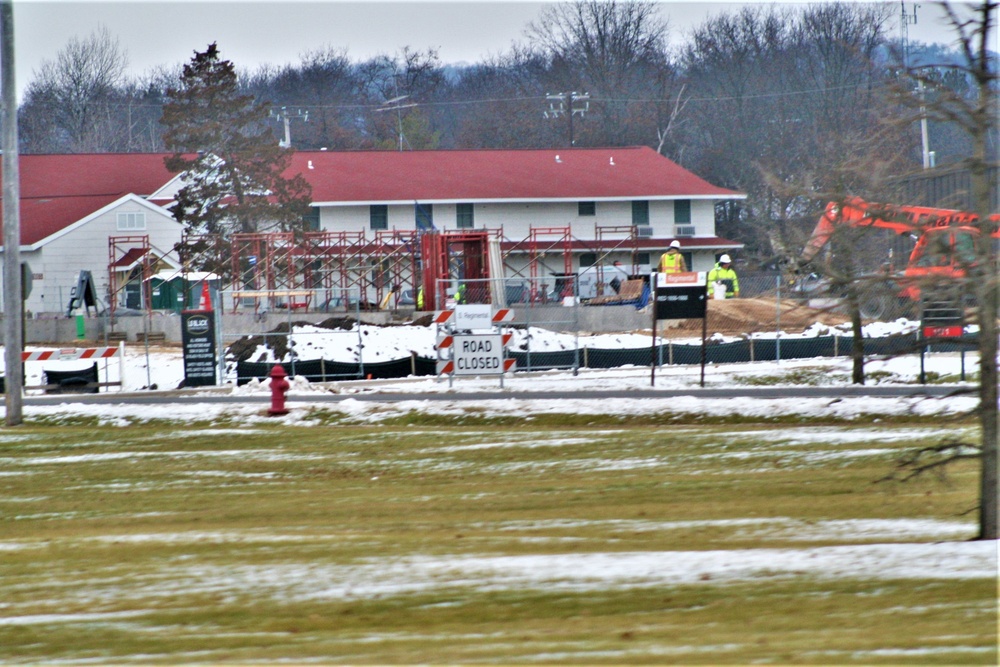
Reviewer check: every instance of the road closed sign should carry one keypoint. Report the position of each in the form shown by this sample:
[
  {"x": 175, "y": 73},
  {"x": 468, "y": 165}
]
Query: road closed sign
[{"x": 477, "y": 355}]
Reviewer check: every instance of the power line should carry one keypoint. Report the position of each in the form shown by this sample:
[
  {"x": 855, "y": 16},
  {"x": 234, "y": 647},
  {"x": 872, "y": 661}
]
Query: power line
[{"x": 537, "y": 98}]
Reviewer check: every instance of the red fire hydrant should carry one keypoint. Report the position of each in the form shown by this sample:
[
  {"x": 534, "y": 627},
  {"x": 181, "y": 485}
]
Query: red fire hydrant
[{"x": 279, "y": 387}]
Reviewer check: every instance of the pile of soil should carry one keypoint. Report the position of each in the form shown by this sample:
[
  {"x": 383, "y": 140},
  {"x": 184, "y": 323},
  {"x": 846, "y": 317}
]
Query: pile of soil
[
  {"x": 738, "y": 316},
  {"x": 243, "y": 349}
]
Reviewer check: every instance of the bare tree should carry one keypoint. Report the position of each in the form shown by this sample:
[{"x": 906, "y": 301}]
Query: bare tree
[
  {"x": 616, "y": 51},
  {"x": 510, "y": 87},
  {"x": 976, "y": 115},
  {"x": 68, "y": 105},
  {"x": 321, "y": 94},
  {"x": 782, "y": 96},
  {"x": 395, "y": 86}
]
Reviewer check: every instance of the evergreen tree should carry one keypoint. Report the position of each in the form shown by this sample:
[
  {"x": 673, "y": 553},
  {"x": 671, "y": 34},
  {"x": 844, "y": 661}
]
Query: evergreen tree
[{"x": 233, "y": 167}]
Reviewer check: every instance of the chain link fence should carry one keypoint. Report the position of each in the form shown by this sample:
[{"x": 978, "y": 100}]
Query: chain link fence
[{"x": 550, "y": 330}]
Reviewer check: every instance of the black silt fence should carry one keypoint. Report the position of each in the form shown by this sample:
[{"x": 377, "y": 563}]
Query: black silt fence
[
  {"x": 329, "y": 371},
  {"x": 597, "y": 358},
  {"x": 671, "y": 354},
  {"x": 542, "y": 361}
]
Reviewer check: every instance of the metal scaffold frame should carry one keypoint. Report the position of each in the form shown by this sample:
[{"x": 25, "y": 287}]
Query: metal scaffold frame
[
  {"x": 545, "y": 240},
  {"x": 271, "y": 267},
  {"x": 336, "y": 263},
  {"x": 398, "y": 262},
  {"x": 125, "y": 254},
  {"x": 604, "y": 245},
  {"x": 461, "y": 255},
  {"x": 265, "y": 268},
  {"x": 207, "y": 252}
]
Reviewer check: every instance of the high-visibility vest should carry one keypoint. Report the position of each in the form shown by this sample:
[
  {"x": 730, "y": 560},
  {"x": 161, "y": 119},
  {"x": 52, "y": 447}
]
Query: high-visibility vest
[
  {"x": 672, "y": 262},
  {"x": 726, "y": 275}
]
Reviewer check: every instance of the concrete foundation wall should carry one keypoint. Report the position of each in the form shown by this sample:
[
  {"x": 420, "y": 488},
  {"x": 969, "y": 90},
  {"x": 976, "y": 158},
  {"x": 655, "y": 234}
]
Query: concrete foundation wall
[{"x": 101, "y": 331}]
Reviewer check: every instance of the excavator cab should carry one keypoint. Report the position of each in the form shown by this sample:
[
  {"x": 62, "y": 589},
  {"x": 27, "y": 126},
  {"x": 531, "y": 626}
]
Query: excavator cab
[{"x": 943, "y": 251}]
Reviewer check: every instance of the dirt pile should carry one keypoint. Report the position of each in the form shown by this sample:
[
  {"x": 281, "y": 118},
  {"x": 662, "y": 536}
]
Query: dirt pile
[{"x": 738, "y": 316}]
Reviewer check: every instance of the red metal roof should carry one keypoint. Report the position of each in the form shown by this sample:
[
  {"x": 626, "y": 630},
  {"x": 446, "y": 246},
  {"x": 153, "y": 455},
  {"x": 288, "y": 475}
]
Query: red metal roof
[
  {"x": 59, "y": 190},
  {"x": 92, "y": 174},
  {"x": 574, "y": 174},
  {"x": 131, "y": 256}
]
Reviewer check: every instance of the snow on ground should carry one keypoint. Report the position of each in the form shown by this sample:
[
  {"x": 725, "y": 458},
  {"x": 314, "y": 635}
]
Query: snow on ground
[
  {"x": 380, "y": 576},
  {"x": 952, "y": 557},
  {"x": 162, "y": 369}
]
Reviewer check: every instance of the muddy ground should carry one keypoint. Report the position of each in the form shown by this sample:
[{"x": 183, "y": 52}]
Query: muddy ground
[{"x": 739, "y": 316}]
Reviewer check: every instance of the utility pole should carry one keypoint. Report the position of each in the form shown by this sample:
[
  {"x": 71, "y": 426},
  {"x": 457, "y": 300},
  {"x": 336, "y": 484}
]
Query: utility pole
[
  {"x": 396, "y": 104},
  {"x": 286, "y": 117},
  {"x": 569, "y": 105},
  {"x": 13, "y": 336},
  {"x": 905, "y": 21}
]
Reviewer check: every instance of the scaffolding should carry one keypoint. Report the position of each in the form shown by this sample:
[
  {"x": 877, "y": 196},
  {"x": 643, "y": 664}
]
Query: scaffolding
[
  {"x": 396, "y": 257},
  {"x": 455, "y": 255},
  {"x": 615, "y": 238},
  {"x": 545, "y": 241},
  {"x": 283, "y": 269},
  {"x": 207, "y": 252},
  {"x": 334, "y": 263},
  {"x": 130, "y": 264}
]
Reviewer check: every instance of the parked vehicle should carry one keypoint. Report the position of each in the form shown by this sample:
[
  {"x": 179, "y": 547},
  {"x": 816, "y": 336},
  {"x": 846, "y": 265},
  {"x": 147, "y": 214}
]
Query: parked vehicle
[
  {"x": 339, "y": 304},
  {"x": 407, "y": 297}
]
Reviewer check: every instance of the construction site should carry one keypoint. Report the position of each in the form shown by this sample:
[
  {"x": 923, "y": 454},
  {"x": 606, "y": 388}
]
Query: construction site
[
  {"x": 384, "y": 270},
  {"x": 317, "y": 275}
]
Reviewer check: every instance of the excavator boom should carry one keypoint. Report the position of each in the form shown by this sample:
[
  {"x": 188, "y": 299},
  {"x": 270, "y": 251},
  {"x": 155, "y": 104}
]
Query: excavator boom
[{"x": 918, "y": 220}]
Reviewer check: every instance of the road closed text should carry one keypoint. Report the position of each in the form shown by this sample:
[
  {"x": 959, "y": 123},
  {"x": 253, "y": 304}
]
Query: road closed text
[{"x": 478, "y": 355}]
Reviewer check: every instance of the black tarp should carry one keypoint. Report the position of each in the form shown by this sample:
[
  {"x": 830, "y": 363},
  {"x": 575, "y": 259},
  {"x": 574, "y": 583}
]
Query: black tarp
[{"x": 83, "y": 381}]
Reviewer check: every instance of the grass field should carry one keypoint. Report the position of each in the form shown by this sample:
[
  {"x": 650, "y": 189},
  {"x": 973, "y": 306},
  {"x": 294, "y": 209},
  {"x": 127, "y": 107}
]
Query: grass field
[{"x": 564, "y": 539}]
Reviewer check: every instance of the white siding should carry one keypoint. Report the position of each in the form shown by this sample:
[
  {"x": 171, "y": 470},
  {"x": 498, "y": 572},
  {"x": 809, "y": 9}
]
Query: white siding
[
  {"x": 517, "y": 218},
  {"x": 85, "y": 248}
]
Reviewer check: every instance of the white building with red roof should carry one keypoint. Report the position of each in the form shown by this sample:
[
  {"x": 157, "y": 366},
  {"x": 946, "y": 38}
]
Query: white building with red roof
[
  {"x": 71, "y": 205},
  {"x": 592, "y": 205}
]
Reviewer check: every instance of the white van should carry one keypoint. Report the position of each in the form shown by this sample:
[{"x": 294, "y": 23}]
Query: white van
[{"x": 610, "y": 277}]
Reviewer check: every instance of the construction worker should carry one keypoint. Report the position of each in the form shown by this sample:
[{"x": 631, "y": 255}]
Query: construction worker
[
  {"x": 420, "y": 298},
  {"x": 722, "y": 273},
  {"x": 672, "y": 261},
  {"x": 460, "y": 293}
]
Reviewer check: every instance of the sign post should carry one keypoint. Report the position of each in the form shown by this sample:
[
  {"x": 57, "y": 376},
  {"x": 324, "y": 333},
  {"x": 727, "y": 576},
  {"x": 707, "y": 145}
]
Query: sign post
[
  {"x": 941, "y": 316},
  {"x": 474, "y": 351},
  {"x": 679, "y": 296}
]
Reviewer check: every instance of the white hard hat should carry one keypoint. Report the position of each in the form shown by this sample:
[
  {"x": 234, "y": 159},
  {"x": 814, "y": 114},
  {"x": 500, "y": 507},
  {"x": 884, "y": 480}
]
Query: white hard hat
[
  {"x": 725, "y": 259},
  {"x": 675, "y": 244}
]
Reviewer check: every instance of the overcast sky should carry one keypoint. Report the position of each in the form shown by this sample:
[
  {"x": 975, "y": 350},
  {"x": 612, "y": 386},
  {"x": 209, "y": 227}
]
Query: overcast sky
[{"x": 251, "y": 33}]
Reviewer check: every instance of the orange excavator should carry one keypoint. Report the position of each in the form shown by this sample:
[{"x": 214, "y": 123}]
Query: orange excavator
[{"x": 945, "y": 239}]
